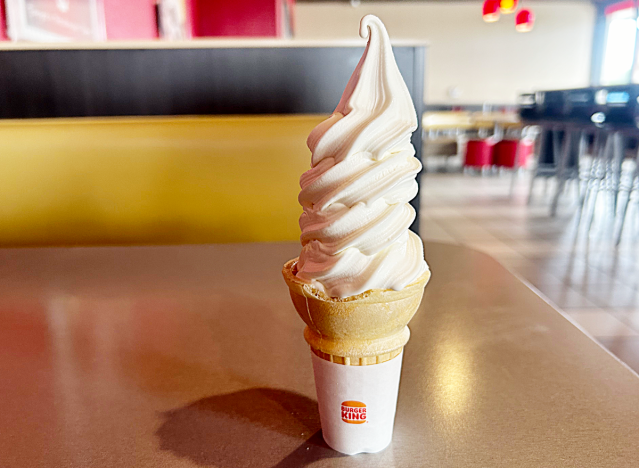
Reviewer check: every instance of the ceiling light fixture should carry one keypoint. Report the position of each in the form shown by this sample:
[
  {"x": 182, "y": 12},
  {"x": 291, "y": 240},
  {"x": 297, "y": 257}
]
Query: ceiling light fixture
[
  {"x": 524, "y": 21},
  {"x": 490, "y": 11},
  {"x": 508, "y": 6}
]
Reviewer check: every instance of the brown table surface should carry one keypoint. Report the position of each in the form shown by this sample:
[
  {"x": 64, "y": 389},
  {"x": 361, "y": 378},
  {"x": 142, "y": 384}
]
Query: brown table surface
[{"x": 193, "y": 356}]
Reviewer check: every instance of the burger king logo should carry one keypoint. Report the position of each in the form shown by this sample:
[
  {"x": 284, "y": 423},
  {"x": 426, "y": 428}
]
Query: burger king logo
[{"x": 353, "y": 412}]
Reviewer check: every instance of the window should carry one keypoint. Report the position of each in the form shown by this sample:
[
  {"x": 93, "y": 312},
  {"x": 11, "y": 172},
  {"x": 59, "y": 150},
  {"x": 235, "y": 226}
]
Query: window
[{"x": 620, "y": 46}]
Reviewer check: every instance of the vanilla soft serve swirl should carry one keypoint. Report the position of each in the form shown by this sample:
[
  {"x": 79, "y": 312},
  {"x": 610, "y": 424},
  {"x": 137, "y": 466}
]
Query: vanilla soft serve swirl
[{"x": 355, "y": 234}]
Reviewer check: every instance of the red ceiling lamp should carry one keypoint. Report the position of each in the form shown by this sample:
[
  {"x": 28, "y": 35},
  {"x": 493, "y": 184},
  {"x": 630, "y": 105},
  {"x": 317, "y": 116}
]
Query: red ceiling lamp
[
  {"x": 490, "y": 12},
  {"x": 508, "y": 6},
  {"x": 525, "y": 20}
]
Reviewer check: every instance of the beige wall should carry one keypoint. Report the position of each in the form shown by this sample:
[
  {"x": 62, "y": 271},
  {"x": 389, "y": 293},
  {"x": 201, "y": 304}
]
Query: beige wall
[{"x": 487, "y": 62}]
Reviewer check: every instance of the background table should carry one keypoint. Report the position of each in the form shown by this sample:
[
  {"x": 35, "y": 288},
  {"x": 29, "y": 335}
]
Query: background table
[{"x": 193, "y": 356}]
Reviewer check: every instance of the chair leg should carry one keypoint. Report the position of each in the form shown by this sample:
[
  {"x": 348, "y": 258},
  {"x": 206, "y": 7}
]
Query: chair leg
[
  {"x": 515, "y": 169},
  {"x": 593, "y": 204},
  {"x": 582, "y": 151},
  {"x": 539, "y": 147},
  {"x": 532, "y": 186},
  {"x": 600, "y": 179},
  {"x": 561, "y": 169},
  {"x": 617, "y": 161},
  {"x": 590, "y": 181},
  {"x": 624, "y": 211}
]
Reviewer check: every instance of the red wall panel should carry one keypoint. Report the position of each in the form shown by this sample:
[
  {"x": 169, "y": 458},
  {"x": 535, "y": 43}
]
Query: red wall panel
[
  {"x": 3, "y": 23},
  {"x": 236, "y": 18},
  {"x": 136, "y": 19},
  {"x": 130, "y": 19}
]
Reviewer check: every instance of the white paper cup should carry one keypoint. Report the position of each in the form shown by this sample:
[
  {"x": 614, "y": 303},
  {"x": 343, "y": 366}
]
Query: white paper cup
[{"x": 357, "y": 404}]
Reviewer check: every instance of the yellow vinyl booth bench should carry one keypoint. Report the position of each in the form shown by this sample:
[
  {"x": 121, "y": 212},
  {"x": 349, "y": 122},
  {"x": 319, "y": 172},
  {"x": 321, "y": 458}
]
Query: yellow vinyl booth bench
[{"x": 151, "y": 180}]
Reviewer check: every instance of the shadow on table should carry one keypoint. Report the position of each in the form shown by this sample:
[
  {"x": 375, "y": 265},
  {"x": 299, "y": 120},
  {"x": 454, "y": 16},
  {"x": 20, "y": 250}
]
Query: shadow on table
[{"x": 256, "y": 427}]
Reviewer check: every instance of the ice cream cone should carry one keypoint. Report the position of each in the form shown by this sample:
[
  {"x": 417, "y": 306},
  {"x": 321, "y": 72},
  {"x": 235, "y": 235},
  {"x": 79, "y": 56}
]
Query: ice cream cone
[
  {"x": 361, "y": 274},
  {"x": 369, "y": 328},
  {"x": 356, "y": 344}
]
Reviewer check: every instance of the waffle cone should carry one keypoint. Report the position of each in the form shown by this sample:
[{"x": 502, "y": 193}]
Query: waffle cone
[{"x": 369, "y": 328}]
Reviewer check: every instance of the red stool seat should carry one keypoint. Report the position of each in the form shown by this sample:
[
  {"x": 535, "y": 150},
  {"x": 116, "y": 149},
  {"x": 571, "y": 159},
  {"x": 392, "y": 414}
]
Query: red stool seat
[
  {"x": 479, "y": 153},
  {"x": 505, "y": 153}
]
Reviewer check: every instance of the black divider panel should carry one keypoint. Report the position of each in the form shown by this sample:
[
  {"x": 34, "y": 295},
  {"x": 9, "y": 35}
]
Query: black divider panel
[{"x": 77, "y": 83}]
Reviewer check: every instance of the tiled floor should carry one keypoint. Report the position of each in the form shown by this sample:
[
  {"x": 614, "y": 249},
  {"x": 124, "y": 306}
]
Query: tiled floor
[{"x": 579, "y": 270}]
